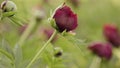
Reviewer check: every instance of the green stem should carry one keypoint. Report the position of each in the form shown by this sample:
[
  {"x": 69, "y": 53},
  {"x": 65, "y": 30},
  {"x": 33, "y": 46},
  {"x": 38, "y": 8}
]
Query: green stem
[
  {"x": 70, "y": 40},
  {"x": 26, "y": 33},
  {"x": 53, "y": 58},
  {"x": 42, "y": 49},
  {"x": 96, "y": 62}
]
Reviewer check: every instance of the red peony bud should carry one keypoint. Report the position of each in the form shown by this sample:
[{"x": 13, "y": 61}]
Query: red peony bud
[
  {"x": 102, "y": 50},
  {"x": 47, "y": 32},
  {"x": 112, "y": 34},
  {"x": 65, "y": 19}
]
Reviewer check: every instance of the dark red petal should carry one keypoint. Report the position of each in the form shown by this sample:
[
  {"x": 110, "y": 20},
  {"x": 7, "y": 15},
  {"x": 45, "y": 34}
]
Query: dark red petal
[
  {"x": 112, "y": 34},
  {"x": 103, "y": 50},
  {"x": 65, "y": 19}
]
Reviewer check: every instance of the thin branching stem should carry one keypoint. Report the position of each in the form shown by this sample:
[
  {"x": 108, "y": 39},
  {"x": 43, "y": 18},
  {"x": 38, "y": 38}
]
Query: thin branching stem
[
  {"x": 26, "y": 33},
  {"x": 41, "y": 50}
]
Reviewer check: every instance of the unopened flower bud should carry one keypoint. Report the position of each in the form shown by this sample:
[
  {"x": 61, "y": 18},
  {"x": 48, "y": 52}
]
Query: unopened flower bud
[
  {"x": 39, "y": 13},
  {"x": 103, "y": 50},
  {"x": 47, "y": 32},
  {"x": 58, "y": 52},
  {"x": 8, "y": 6},
  {"x": 112, "y": 34},
  {"x": 65, "y": 19}
]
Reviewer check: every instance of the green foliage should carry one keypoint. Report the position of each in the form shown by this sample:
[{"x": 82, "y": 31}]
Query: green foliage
[{"x": 92, "y": 15}]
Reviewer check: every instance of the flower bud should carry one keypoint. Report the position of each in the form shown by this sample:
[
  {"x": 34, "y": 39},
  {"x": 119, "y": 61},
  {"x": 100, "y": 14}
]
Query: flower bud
[
  {"x": 39, "y": 13},
  {"x": 47, "y": 32},
  {"x": 65, "y": 19},
  {"x": 8, "y": 6},
  {"x": 103, "y": 50},
  {"x": 112, "y": 34},
  {"x": 58, "y": 52}
]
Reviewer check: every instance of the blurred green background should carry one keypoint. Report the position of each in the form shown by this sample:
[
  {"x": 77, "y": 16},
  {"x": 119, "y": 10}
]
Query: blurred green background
[{"x": 92, "y": 15}]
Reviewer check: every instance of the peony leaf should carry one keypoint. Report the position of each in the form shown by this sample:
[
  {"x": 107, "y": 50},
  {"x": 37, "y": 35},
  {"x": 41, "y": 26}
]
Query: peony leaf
[
  {"x": 18, "y": 55},
  {"x": 5, "y": 46}
]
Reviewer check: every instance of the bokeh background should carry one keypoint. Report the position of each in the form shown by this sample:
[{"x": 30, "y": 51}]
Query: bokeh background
[{"x": 92, "y": 15}]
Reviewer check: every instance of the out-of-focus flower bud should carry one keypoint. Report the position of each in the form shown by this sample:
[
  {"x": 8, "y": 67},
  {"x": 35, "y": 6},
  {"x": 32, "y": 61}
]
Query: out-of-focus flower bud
[
  {"x": 65, "y": 19},
  {"x": 112, "y": 34},
  {"x": 38, "y": 13},
  {"x": 103, "y": 50},
  {"x": 8, "y": 6},
  {"x": 58, "y": 52},
  {"x": 47, "y": 32}
]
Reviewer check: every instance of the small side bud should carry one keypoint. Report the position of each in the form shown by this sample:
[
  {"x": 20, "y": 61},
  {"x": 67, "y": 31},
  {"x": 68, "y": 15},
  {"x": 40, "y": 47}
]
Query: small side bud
[
  {"x": 8, "y": 6},
  {"x": 39, "y": 13},
  {"x": 58, "y": 52}
]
